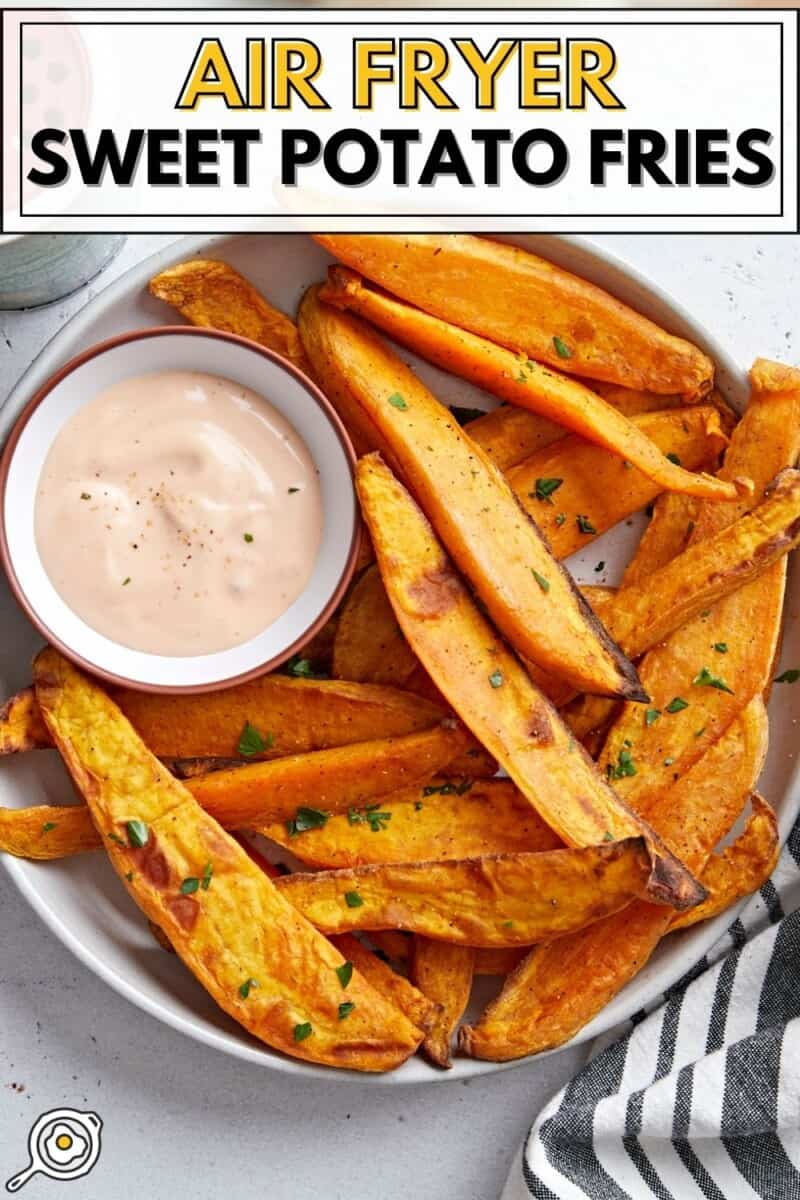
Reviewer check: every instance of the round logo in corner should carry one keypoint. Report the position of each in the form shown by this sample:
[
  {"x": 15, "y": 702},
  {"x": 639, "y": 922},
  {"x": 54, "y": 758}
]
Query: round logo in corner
[{"x": 62, "y": 1144}]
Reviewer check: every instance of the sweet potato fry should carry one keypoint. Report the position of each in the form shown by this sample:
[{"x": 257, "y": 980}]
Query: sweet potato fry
[
  {"x": 492, "y": 693},
  {"x": 714, "y": 684},
  {"x": 291, "y": 716},
  {"x": 335, "y": 780},
  {"x": 445, "y": 820},
  {"x": 494, "y": 544},
  {"x": 558, "y": 987},
  {"x": 369, "y": 645},
  {"x": 444, "y": 973},
  {"x": 422, "y": 1011},
  {"x": 497, "y": 900},
  {"x": 639, "y": 616},
  {"x": 598, "y": 489},
  {"x": 527, "y": 304},
  {"x": 262, "y": 963},
  {"x": 520, "y": 381},
  {"x": 47, "y": 831},
  {"x": 21, "y": 724},
  {"x": 740, "y": 868},
  {"x": 259, "y": 793},
  {"x": 214, "y": 295},
  {"x": 499, "y": 962}
]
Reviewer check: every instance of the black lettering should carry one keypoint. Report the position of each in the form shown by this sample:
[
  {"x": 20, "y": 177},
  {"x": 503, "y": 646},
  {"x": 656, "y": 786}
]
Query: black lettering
[
  {"x": 646, "y": 149},
  {"x": 107, "y": 154},
  {"x": 445, "y": 158},
  {"x": 196, "y": 156},
  {"x": 491, "y": 140},
  {"x": 601, "y": 154},
  {"x": 399, "y": 140},
  {"x": 558, "y": 165},
  {"x": 299, "y": 148},
  {"x": 765, "y": 168},
  {"x": 59, "y": 167},
  {"x": 332, "y": 153},
  {"x": 240, "y": 140},
  {"x": 706, "y": 156}
]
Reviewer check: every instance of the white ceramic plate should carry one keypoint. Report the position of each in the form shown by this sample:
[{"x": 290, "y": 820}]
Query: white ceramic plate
[{"x": 81, "y": 899}]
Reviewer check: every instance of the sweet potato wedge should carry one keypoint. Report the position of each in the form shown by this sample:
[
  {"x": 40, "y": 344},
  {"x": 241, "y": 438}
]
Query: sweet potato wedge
[
  {"x": 518, "y": 380},
  {"x": 640, "y": 615},
  {"x": 494, "y": 696},
  {"x": 497, "y": 900},
  {"x": 444, "y": 973},
  {"x": 262, "y": 963},
  {"x": 559, "y": 987},
  {"x": 369, "y": 646},
  {"x": 496, "y": 546},
  {"x": 740, "y": 868},
  {"x": 527, "y": 304},
  {"x": 423, "y": 1012},
  {"x": 299, "y": 714},
  {"x": 334, "y": 780},
  {"x": 214, "y": 295},
  {"x": 688, "y": 666},
  {"x": 598, "y": 489},
  {"x": 261, "y": 793},
  {"x": 21, "y": 724},
  {"x": 47, "y": 831},
  {"x": 448, "y": 819}
]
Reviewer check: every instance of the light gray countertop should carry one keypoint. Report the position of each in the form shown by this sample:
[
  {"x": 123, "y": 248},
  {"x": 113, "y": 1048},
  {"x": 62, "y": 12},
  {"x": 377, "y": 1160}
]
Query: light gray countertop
[{"x": 183, "y": 1120}]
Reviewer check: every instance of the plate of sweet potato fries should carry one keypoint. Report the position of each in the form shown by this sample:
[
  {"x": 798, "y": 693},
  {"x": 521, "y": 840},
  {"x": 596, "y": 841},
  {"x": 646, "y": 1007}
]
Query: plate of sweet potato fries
[{"x": 519, "y": 782}]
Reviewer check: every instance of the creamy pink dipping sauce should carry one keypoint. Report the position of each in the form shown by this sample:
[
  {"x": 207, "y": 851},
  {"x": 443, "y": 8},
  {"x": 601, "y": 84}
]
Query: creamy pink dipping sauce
[{"x": 179, "y": 513}]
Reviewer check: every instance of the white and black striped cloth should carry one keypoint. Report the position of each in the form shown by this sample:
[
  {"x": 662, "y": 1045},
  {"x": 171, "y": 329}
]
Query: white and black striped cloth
[{"x": 701, "y": 1096}]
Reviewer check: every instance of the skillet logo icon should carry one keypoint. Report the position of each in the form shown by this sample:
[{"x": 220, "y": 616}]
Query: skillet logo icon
[{"x": 63, "y": 1144}]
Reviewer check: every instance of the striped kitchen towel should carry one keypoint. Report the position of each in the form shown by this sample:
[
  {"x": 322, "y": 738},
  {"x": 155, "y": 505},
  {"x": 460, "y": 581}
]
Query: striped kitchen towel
[{"x": 700, "y": 1096}]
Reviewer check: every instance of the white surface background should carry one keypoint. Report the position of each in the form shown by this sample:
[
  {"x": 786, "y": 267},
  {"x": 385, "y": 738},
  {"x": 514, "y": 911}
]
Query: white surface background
[{"x": 182, "y": 1120}]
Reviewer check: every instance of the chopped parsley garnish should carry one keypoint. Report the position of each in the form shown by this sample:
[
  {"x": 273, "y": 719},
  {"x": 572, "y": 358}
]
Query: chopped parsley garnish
[
  {"x": 508, "y": 924},
  {"x": 560, "y": 519},
  {"x": 720, "y": 647},
  {"x": 464, "y": 415},
  {"x": 496, "y": 679},
  {"x": 677, "y": 704},
  {"x": 790, "y": 676},
  {"x": 138, "y": 833},
  {"x": 584, "y": 524},
  {"x": 246, "y": 987},
  {"x": 345, "y": 973},
  {"x": 126, "y": 581},
  {"x": 699, "y": 732},
  {"x": 301, "y": 1032},
  {"x": 248, "y": 537},
  {"x": 113, "y": 837},
  {"x": 129, "y": 876},
  {"x": 345, "y": 1009},
  {"x": 543, "y": 583},
  {"x": 704, "y": 678},
  {"x": 562, "y": 349},
  {"x": 190, "y": 886},
  {"x": 448, "y": 789},
  {"x": 305, "y": 819},
  {"x": 353, "y": 900},
  {"x": 651, "y": 716},
  {"x": 376, "y": 820},
  {"x": 86, "y": 495},
  {"x": 545, "y": 488},
  {"x": 608, "y": 836},
  {"x": 673, "y": 458},
  {"x": 251, "y": 741},
  {"x": 303, "y": 668},
  {"x": 417, "y": 805},
  {"x": 625, "y": 765},
  {"x": 208, "y": 871},
  {"x": 48, "y": 825},
  {"x": 397, "y": 401}
]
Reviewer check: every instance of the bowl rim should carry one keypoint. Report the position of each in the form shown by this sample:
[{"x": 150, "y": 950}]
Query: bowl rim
[{"x": 77, "y": 362}]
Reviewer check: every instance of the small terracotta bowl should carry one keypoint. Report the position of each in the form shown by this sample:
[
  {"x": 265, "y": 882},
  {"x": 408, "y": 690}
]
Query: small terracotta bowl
[{"x": 160, "y": 349}]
